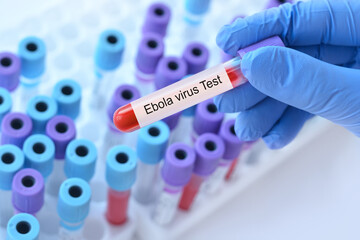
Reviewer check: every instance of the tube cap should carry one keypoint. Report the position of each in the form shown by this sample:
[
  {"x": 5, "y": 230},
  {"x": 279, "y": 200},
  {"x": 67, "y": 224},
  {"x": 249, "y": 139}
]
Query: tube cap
[
  {"x": 23, "y": 226},
  {"x": 209, "y": 149},
  {"x": 122, "y": 95},
  {"x": 272, "y": 41},
  {"x": 28, "y": 191},
  {"x": 67, "y": 94},
  {"x": 152, "y": 142},
  {"x": 207, "y": 118},
  {"x": 150, "y": 51},
  {"x": 9, "y": 71},
  {"x": 74, "y": 202},
  {"x": 109, "y": 50},
  {"x": 32, "y": 53},
  {"x": 81, "y": 155},
  {"x": 169, "y": 71},
  {"x": 172, "y": 120},
  {"x": 157, "y": 19},
  {"x": 276, "y": 3},
  {"x": 39, "y": 151},
  {"x": 232, "y": 142},
  {"x": 178, "y": 165},
  {"x": 61, "y": 130},
  {"x": 11, "y": 161},
  {"x": 41, "y": 109},
  {"x": 196, "y": 56},
  {"x": 197, "y": 7},
  {"x": 120, "y": 168},
  {"x": 16, "y": 127},
  {"x": 5, "y": 103}
]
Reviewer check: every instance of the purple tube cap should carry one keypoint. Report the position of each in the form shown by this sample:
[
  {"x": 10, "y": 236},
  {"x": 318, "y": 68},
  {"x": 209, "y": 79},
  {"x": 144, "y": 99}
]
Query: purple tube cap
[
  {"x": 209, "y": 149},
  {"x": 157, "y": 19},
  {"x": 150, "y": 51},
  {"x": 207, "y": 118},
  {"x": 122, "y": 95},
  {"x": 28, "y": 191},
  {"x": 196, "y": 55},
  {"x": 272, "y": 41},
  {"x": 232, "y": 142},
  {"x": 15, "y": 127},
  {"x": 169, "y": 70},
  {"x": 61, "y": 129},
  {"x": 178, "y": 165},
  {"x": 172, "y": 120},
  {"x": 10, "y": 67}
]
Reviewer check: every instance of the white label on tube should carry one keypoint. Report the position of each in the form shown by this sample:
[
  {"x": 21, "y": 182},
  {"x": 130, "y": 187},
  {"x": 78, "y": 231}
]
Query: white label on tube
[{"x": 181, "y": 95}]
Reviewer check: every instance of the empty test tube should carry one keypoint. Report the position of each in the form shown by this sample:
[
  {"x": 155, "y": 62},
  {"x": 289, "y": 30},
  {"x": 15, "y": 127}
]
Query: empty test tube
[
  {"x": 157, "y": 19},
  {"x": 15, "y": 128},
  {"x": 23, "y": 226},
  {"x": 196, "y": 56},
  {"x": 67, "y": 94},
  {"x": 10, "y": 67}
]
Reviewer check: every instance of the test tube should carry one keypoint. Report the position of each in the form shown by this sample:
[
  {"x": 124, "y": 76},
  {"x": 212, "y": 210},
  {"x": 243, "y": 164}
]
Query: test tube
[
  {"x": 61, "y": 130},
  {"x": 11, "y": 161},
  {"x": 120, "y": 176},
  {"x": 10, "y": 67},
  {"x": 151, "y": 146},
  {"x": 207, "y": 119},
  {"x": 232, "y": 151},
  {"x": 195, "y": 10},
  {"x": 39, "y": 151},
  {"x": 80, "y": 160},
  {"x": 41, "y": 109},
  {"x": 209, "y": 149},
  {"x": 5, "y": 103},
  {"x": 176, "y": 173},
  {"x": 67, "y": 94},
  {"x": 73, "y": 207},
  {"x": 28, "y": 191},
  {"x": 157, "y": 19},
  {"x": 23, "y": 226},
  {"x": 15, "y": 128}
]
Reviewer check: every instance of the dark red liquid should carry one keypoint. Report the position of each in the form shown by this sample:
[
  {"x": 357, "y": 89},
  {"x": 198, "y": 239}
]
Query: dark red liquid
[
  {"x": 190, "y": 191},
  {"x": 117, "y": 205}
]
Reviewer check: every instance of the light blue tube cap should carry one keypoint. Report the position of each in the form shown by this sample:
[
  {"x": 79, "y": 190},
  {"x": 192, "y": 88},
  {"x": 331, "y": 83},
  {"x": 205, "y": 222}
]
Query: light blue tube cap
[
  {"x": 32, "y": 53},
  {"x": 67, "y": 94},
  {"x": 152, "y": 142},
  {"x": 197, "y": 7},
  {"x": 109, "y": 50},
  {"x": 121, "y": 168},
  {"x": 39, "y": 151},
  {"x": 41, "y": 109},
  {"x": 74, "y": 203},
  {"x": 11, "y": 161},
  {"x": 80, "y": 159},
  {"x": 5, "y": 102},
  {"x": 23, "y": 226}
]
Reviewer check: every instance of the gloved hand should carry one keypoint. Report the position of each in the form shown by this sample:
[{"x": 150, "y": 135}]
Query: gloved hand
[{"x": 316, "y": 75}]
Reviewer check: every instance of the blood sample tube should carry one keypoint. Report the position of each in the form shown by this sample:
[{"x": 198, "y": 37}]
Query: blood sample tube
[
  {"x": 209, "y": 149},
  {"x": 157, "y": 19},
  {"x": 15, "y": 128},
  {"x": 151, "y": 146},
  {"x": 80, "y": 160},
  {"x": 28, "y": 191},
  {"x": 10, "y": 67},
  {"x": 150, "y": 51},
  {"x": 176, "y": 173},
  {"x": 276, "y": 3},
  {"x": 61, "y": 130},
  {"x": 39, "y": 151},
  {"x": 73, "y": 207},
  {"x": 67, "y": 94},
  {"x": 23, "y": 226},
  {"x": 41, "y": 109},
  {"x": 5, "y": 103},
  {"x": 195, "y": 10},
  {"x": 186, "y": 93},
  {"x": 232, "y": 151},
  {"x": 120, "y": 176}
]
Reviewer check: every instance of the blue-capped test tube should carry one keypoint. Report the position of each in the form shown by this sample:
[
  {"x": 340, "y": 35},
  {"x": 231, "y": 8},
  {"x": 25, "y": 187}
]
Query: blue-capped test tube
[
  {"x": 195, "y": 10},
  {"x": 39, "y": 151},
  {"x": 80, "y": 159},
  {"x": 151, "y": 146},
  {"x": 67, "y": 94},
  {"x": 73, "y": 207},
  {"x": 23, "y": 226},
  {"x": 5, "y": 103},
  {"x": 41, "y": 109}
]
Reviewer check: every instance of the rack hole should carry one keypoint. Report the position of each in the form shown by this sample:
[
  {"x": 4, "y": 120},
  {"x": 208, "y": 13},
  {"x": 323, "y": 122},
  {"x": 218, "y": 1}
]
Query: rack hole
[
  {"x": 8, "y": 158},
  {"x": 112, "y": 39},
  {"x": 28, "y": 181},
  {"x": 122, "y": 158},
  {"x": 31, "y": 47},
  {"x": 41, "y": 106},
  {"x": 23, "y": 227},
  {"x": 159, "y": 11},
  {"x": 75, "y": 191},
  {"x": 61, "y": 127},
  {"x": 152, "y": 44},
  {"x": 180, "y": 154},
  {"x": 127, "y": 94},
  {"x": 39, "y": 148},
  {"x": 154, "y": 131},
  {"x": 173, "y": 65},
  {"x": 17, "y": 123},
  {"x": 211, "y": 108},
  {"x": 210, "y": 145},
  {"x": 196, "y": 52},
  {"x": 82, "y": 151},
  {"x": 5, "y": 62},
  {"x": 67, "y": 90}
]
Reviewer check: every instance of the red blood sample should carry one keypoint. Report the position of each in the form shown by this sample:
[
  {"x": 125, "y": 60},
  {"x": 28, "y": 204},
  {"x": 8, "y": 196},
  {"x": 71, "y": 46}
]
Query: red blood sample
[
  {"x": 231, "y": 168},
  {"x": 190, "y": 191},
  {"x": 117, "y": 205}
]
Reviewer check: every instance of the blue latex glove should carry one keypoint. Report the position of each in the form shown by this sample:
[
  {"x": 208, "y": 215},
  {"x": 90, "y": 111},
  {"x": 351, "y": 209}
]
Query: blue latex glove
[{"x": 316, "y": 75}]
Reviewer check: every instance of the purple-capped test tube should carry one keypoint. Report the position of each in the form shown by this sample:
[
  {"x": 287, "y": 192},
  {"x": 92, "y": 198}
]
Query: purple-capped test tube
[
  {"x": 157, "y": 19},
  {"x": 61, "y": 129},
  {"x": 15, "y": 128},
  {"x": 176, "y": 173},
  {"x": 28, "y": 191},
  {"x": 196, "y": 56},
  {"x": 10, "y": 68}
]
